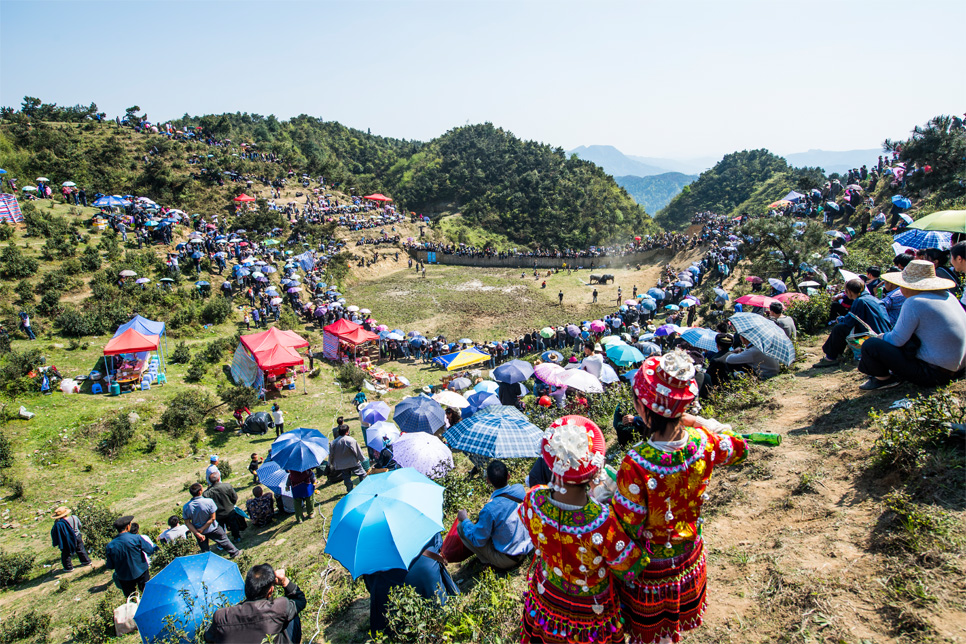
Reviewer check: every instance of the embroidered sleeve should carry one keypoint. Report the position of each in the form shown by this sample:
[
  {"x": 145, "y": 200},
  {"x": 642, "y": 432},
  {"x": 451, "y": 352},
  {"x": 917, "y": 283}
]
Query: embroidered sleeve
[
  {"x": 630, "y": 500},
  {"x": 623, "y": 556},
  {"x": 729, "y": 448}
]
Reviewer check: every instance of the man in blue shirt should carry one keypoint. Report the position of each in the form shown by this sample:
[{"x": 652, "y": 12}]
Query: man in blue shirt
[
  {"x": 199, "y": 516},
  {"x": 865, "y": 307},
  {"x": 125, "y": 555},
  {"x": 498, "y": 538}
]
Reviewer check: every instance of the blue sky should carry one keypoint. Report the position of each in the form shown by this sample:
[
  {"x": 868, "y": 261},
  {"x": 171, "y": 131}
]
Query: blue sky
[{"x": 675, "y": 79}]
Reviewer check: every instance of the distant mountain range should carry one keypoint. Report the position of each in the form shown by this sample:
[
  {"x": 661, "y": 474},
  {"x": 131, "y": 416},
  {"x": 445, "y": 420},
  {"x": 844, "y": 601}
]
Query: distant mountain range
[
  {"x": 617, "y": 164},
  {"x": 656, "y": 191}
]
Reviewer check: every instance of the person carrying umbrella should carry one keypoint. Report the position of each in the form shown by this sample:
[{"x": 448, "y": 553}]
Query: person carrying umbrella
[
  {"x": 660, "y": 490},
  {"x": 125, "y": 555},
  {"x": 261, "y": 615},
  {"x": 498, "y": 538},
  {"x": 570, "y": 595}
]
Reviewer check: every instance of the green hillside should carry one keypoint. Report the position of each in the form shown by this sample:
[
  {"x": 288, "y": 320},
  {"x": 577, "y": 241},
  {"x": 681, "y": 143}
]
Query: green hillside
[
  {"x": 531, "y": 192},
  {"x": 655, "y": 191},
  {"x": 741, "y": 181}
]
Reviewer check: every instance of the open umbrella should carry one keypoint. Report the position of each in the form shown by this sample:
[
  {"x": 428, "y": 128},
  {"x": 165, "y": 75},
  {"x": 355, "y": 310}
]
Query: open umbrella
[
  {"x": 755, "y": 300},
  {"x": 423, "y": 452},
  {"x": 901, "y": 202},
  {"x": 810, "y": 284},
  {"x": 459, "y": 384},
  {"x": 950, "y": 221},
  {"x": 419, "y": 414},
  {"x": 581, "y": 381},
  {"x": 672, "y": 307},
  {"x": 300, "y": 449},
  {"x": 549, "y": 373},
  {"x": 185, "y": 594},
  {"x": 378, "y": 433},
  {"x": 624, "y": 355},
  {"x": 487, "y": 386},
  {"x": 785, "y": 298},
  {"x": 374, "y": 412},
  {"x": 700, "y": 338},
  {"x": 547, "y": 332},
  {"x": 610, "y": 339},
  {"x": 764, "y": 334},
  {"x": 128, "y": 273},
  {"x": 598, "y": 326},
  {"x": 777, "y": 284},
  {"x": 608, "y": 376},
  {"x": 754, "y": 279},
  {"x": 919, "y": 239},
  {"x": 667, "y": 329},
  {"x": 142, "y": 280},
  {"x": 385, "y": 521},
  {"x": 447, "y": 398},
  {"x": 272, "y": 476},
  {"x": 656, "y": 293},
  {"x": 514, "y": 371},
  {"x": 496, "y": 432},
  {"x": 480, "y": 399}
]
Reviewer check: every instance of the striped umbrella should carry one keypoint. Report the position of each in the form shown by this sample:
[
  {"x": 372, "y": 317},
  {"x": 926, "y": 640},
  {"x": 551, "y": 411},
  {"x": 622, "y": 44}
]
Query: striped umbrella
[
  {"x": 920, "y": 239},
  {"x": 419, "y": 414},
  {"x": 701, "y": 338},
  {"x": 496, "y": 432}
]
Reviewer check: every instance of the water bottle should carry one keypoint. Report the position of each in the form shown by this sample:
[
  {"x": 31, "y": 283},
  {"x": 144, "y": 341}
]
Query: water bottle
[{"x": 763, "y": 438}]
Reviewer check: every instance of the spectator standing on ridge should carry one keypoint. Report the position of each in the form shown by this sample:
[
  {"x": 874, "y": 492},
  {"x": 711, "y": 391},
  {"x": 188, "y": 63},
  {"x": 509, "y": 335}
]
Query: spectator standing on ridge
[{"x": 66, "y": 535}]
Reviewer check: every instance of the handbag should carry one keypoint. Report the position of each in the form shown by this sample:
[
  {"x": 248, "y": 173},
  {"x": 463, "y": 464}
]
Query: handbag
[
  {"x": 454, "y": 550},
  {"x": 856, "y": 339},
  {"x": 124, "y": 616}
]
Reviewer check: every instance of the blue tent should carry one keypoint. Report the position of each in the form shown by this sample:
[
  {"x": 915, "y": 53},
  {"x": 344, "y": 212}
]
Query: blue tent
[
  {"x": 793, "y": 196},
  {"x": 147, "y": 327}
]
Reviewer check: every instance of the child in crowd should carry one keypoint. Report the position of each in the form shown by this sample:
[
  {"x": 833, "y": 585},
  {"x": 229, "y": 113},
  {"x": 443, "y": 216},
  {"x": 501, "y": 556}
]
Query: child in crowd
[
  {"x": 278, "y": 419},
  {"x": 253, "y": 468}
]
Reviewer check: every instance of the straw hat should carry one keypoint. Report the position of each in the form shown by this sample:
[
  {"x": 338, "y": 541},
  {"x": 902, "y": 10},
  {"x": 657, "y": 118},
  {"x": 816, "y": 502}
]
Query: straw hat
[
  {"x": 919, "y": 275},
  {"x": 61, "y": 513}
]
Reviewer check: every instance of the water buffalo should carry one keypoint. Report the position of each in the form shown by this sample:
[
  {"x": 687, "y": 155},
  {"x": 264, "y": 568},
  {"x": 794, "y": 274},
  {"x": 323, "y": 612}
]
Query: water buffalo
[{"x": 601, "y": 279}]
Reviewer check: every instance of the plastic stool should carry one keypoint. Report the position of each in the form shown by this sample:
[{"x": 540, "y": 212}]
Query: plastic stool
[
  {"x": 96, "y": 388},
  {"x": 148, "y": 377},
  {"x": 162, "y": 380},
  {"x": 145, "y": 385}
]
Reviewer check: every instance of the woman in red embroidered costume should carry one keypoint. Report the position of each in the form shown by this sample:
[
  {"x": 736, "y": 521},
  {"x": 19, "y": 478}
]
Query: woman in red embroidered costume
[
  {"x": 578, "y": 544},
  {"x": 660, "y": 489}
]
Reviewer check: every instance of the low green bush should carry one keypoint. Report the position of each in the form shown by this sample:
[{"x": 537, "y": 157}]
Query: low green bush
[
  {"x": 181, "y": 354},
  {"x": 167, "y": 552},
  {"x": 216, "y": 311},
  {"x": 351, "y": 377},
  {"x": 14, "y": 367},
  {"x": 811, "y": 316},
  {"x": 31, "y": 623},
  {"x": 97, "y": 627},
  {"x": 119, "y": 432},
  {"x": 186, "y": 411},
  {"x": 14, "y": 567},
  {"x": 196, "y": 369},
  {"x": 6, "y": 451},
  {"x": 97, "y": 525}
]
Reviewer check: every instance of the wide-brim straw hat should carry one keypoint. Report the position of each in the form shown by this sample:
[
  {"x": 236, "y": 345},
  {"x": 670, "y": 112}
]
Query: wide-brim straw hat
[
  {"x": 919, "y": 275},
  {"x": 61, "y": 513}
]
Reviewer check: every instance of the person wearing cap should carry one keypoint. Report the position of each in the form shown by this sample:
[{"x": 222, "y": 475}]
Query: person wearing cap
[
  {"x": 66, "y": 535},
  {"x": 579, "y": 546},
  {"x": 660, "y": 490},
  {"x": 126, "y": 555},
  {"x": 927, "y": 346},
  {"x": 212, "y": 468}
]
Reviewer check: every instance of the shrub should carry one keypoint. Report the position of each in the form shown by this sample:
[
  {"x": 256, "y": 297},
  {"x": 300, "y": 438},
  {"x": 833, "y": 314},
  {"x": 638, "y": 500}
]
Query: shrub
[
  {"x": 17, "y": 490},
  {"x": 97, "y": 523},
  {"x": 6, "y": 451},
  {"x": 238, "y": 397},
  {"x": 225, "y": 468},
  {"x": 6, "y": 231},
  {"x": 216, "y": 311},
  {"x": 20, "y": 626},
  {"x": 25, "y": 293},
  {"x": 811, "y": 316},
  {"x": 742, "y": 392},
  {"x": 14, "y": 567},
  {"x": 350, "y": 376},
  {"x": 14, "y": 368},
  {"x": 907, "y": 436},
  {"x": 181, "y": 354},
  {"x": 72, "y": 323},
  {"x": 215, "y": 349},
  {"x": 90, "y": 259},
  {"x": 167, "y": 552},
  {"x": 14, "y": 264},
  {"x": 98, "y": 626},
  {"x": 197, "y": 369},
  {"x": 185, "y": 411},
  {"x": 120, "y": 431}
]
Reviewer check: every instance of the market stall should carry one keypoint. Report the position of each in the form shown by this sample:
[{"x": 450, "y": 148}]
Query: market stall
[
  {"x": 148, "y": 327},
  {"x": 133, "y": 351},
  {"x": 343, "y": 338},
  {"x": 268, "y": 360}
]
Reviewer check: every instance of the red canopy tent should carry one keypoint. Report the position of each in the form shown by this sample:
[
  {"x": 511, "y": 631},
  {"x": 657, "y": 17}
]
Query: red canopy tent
[
  {"x": 377, "y": 197},
  {"x": 359, "y": 336},
  {"x": 131, "y": 341},
  {"x": 343, "y": 331},
  {"x": 269, "y": 352},
  {"x": 271, "y": 337},
  {"x": 341, "y": 327},
  {"x": 244, "y": 197}
]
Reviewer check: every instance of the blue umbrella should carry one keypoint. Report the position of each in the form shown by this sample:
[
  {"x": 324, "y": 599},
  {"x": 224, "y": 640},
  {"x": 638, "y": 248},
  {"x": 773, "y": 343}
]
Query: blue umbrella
[
  {"x": 202, "y": 283},
  {"x": 459, "y": 384},
  {"x": 919, "y": 239},
  {"x": 832, "y": 206},
  {"x": 901, "y": 202},
  {"x": 109, "y": 201},
  {"x": 648, "y": 305},
  {"x": 207, "y": 580},
  {"x": 701, "y": 338},
  {"x": 629, "y": 376},
  {"x": 272, "y": 476},
  {"x": 481, "y": 399},
  {"x": 374, "y": 412},
  {"x": 656, "y": 293},
  {"x": 197, "y": 255},
  {"x": 624, "y": 354},
  {"x": 385, "y": 521},
  {"x": 496, "y": 432},
  {"x": 300, "y": 449},
  {"x": 683, "y": 284},
  {"x": 513, "y": 372},
  {"x": 649, "y": 349},
  {"x": 720, "y": 292},
  {"x": 419, "y": 414},
  {"x": 672, "y": 307},
  {"x": 417, "y": 342},
  {"x": 488, "y": 386}
]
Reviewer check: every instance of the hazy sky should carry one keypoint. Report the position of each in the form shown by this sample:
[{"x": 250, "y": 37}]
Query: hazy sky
[{"x": 675, "y": 78}]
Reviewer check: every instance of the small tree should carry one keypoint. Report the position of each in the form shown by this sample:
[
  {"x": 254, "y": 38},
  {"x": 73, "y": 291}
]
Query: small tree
[
  {"x": 238, "y": 397},
  {"x": 13, "y": 263},
  {"x": 779, "y": 248},
  {"x": 185, "y": 411}
]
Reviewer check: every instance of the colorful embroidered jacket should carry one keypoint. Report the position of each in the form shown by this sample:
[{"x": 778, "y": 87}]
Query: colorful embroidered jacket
[
  {"x": 659, "y": 494},
  {"x": 577, "y": 548}
]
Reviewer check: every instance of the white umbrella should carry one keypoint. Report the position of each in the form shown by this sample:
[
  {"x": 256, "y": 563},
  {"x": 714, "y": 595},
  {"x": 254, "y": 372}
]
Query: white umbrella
[
  {"x": 127, "y": 273},
  {"x": 581, "y": 381},
  {"x": 68, "y": 184},
  {"x": 448, "y": 398},
  {"x": 43, "y": 179},
  {"x": 29, "y": 188},
  {"x": 352, "y": 309},
  {"x": 365, "y": 311},
  {"x": 423, "y": 452}
]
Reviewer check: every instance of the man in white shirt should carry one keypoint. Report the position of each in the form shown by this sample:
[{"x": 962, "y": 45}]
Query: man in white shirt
[
  {"x": 176, "y": 530},
  {"x": 593, "y": 362}
]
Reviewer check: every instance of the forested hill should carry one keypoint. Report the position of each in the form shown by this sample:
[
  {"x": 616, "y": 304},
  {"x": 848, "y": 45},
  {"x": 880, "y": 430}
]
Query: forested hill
[
  {"x": 655, "y": 191},
  {"x": 741, "y": 181},
  {"x": 530, "y": 192}
]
